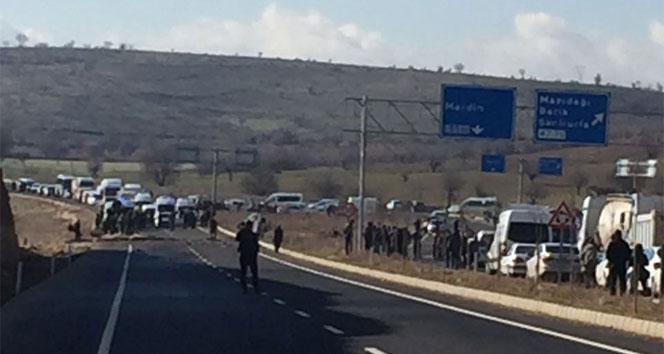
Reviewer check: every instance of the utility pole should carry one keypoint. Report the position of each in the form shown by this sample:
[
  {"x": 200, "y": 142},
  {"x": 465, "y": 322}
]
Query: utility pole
[
  {"x": 520, "y": 190},
  {"x": 215, "y": 159},
  {"x": 363, "y": 150}
]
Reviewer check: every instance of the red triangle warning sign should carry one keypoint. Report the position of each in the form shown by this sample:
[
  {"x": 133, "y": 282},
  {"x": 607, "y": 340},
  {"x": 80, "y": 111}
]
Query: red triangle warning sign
[{"x": 562, "y": 217}]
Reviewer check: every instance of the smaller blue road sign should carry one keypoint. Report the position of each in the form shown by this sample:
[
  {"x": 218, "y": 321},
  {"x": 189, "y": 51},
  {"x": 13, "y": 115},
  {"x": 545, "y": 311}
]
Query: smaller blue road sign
[
  {"x": 551, "y": 166},
  {"x": 493, "y": 163},
  {"x": 571, "y": 117},
  {"x": 476, "y": 112}
]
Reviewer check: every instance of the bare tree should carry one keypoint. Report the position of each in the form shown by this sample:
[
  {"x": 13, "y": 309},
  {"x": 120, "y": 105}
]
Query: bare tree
[
  {"x": 433, "y": 165},
  {"x": 325, "y": 186},
  {"x": 530, "y": 170},
  {"x": 21, "y": 38},
  {"x": 5, "y": 43},
  {"x": 108, "y": 44},
  {"x": 579, "y": 180},
  {"x": 522, "y": 72},
  {"x": 458, "y": 68},
  {"x": 95, "y": 166},
  {"x": 260, "y": 181},
  {"x": 659, "y": 86},
  {"x": 598, "y": 79},
  {"x": 536, "y": 192},
  {"x": 69, "y": 44},
  {"x": 158, "y": 161},
  {"x": 6, "y": 140},
  {"x": 405, "y": 177},
  {"x": 41, "y": 45},
  {"x": 452, "y": 183}
]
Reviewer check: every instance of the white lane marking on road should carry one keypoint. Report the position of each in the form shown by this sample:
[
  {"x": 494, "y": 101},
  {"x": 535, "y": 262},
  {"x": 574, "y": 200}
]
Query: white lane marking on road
[
  {"x": 107, "y": 336},
  {"x": 264, "y": 293},
  {"x": 302, "y": 314},
  {"x": 333, "y": 330},
  {"x": 229, "y": 275},
  {"x": 455, "y": 309},
  {"x": 373, "y": 350},
  {"x": 279, "y": 301},
  {"x": 236, "y": 280}
]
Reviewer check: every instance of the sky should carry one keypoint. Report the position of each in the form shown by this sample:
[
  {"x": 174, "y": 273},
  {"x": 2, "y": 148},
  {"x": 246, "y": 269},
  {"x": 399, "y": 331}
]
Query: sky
[{"x": 551, "y": 40}]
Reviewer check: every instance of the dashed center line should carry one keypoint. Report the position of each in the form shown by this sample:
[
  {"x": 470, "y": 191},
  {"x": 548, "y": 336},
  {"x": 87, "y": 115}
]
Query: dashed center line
[
  {"x": 302, "y": 314},
  {"x": 373, "y": 350},
  {"x": 333, "y": 329},
  {"x": 279, "y": 302}
]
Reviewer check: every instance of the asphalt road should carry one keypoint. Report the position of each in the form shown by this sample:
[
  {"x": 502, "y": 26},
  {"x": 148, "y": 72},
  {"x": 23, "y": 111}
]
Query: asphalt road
[{"x": 181, "y": 295}]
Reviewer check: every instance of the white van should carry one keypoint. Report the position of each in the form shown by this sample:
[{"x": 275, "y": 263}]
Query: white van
[
  {"x": 63, "y": 186},
  {"x": 479, "y": 206},
  {"x": 283, "y": 200},
  {"x": 110, "y": 188},
  {"x": 80, "y": 185},
  {"x": 522, "y": 224}
]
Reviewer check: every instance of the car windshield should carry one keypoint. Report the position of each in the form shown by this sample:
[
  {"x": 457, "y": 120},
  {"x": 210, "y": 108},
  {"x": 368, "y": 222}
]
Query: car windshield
[
  {"x": 525, "y": 232},
  {"x": 166, "y": 208},
  {"x": 87, "y": 184}
]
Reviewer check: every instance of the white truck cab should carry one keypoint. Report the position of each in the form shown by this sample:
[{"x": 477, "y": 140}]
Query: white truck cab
[
  {"x": 110, "y": 187},
  {"x": 164, "y": 213}
]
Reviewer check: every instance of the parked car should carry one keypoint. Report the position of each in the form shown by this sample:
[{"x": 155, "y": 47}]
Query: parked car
[
  {"x": 47, "y": 190},
  {"x": 283, "y": 201},
  {"x": 514, "y": 262},
  {"x": 34, "y": 188},
  {"x": 393, "y": 204},
  {"x": 475, "y": 206},
  {"x": 324, "y": 205},
  {"x": 292, "y": 208},
  {"x": 80, "y": 185},
  {"x": 235, "y": 204},
  {"x": 63, "y": 186},
  {"x": 94, "y": 197},
  {"x": 22, "y": 184},
  {"x": 553, "y": 259}
]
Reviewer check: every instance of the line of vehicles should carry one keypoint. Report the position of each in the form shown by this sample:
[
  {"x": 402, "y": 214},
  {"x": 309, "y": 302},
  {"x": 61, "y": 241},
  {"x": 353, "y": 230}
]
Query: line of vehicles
[{"x": 511, "y": 247}]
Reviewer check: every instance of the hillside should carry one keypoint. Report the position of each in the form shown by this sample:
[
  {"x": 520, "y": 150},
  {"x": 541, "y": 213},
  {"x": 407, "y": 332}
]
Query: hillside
[{"x": 57, "y": 100}]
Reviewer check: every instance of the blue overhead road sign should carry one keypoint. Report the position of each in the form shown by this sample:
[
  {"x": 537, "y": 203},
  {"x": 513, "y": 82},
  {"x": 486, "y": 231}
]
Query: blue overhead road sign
[
  {"x": 551, "y": 166},
  {"x": 476, "y": 112},
  {"x": 571, "y": 117},
  {"x": 493, "y": 163}
]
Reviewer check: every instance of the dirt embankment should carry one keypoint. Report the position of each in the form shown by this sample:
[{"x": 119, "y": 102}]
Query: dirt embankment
[
  {"x": 9, "y": 252},
  {"x": 41, "y": 225}
]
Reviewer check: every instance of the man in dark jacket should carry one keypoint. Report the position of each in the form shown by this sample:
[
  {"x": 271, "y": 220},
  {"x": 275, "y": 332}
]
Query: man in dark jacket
[
  {"x": 453, "y": 247},
  {"x": 417, "y": 240},
  {"x": 640, "y": 274},
  {"x": 248, "y": 248},
  {"x": 278, "y": 238},
  {"x": 348, "y": 236},
  {"x": 617, "y": 253},
  {"x": 368, "y": 236}
]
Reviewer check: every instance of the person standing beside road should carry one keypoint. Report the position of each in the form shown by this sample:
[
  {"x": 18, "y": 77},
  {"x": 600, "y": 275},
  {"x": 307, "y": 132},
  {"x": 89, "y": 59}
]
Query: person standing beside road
[
  {"x": 589, "y": 261},
  {"x": 417, "y": 241},
  {"x": 278, "y": 238},
  {"x": 248, "y": 248},
  {"x": 368, "y": 236},
  {"x": 348, "y": 236},
  {"x": 617, "y": 253},
  {"x": 453, "y": 247},
  {"x": 639, "y": 262}
]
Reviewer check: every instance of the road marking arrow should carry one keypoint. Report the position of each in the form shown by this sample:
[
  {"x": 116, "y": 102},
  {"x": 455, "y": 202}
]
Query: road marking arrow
[
  {"x": 599, "y": 118},
  {"x": 477, "y": 130}
]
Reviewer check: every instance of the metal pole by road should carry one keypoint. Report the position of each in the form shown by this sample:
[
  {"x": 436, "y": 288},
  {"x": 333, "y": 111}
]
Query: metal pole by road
[
  {"x": 215, "y": 159},
  {"x": 520, "y": 189},
  {"x": 363, "y": 150},
  {"x": 19, "y": 277}
]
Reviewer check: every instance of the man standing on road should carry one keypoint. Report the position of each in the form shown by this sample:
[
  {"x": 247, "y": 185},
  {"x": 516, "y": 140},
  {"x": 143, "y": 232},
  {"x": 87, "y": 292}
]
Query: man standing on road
[
  {"x": 348, "y": 236},
  {"x": 369, "y": 236},
  {"x": 212, "y": 224},
  {"x": 617, "y": 253},
  {"x": 453, "y": 247},
  {"x": 248, "y": 248},
  {"x": 278, "y": 238}
]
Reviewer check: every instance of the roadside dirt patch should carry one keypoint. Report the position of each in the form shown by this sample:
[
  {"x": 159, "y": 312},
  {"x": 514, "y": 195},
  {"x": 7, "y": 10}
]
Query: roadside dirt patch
[{"x": 41, "y": 225}]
